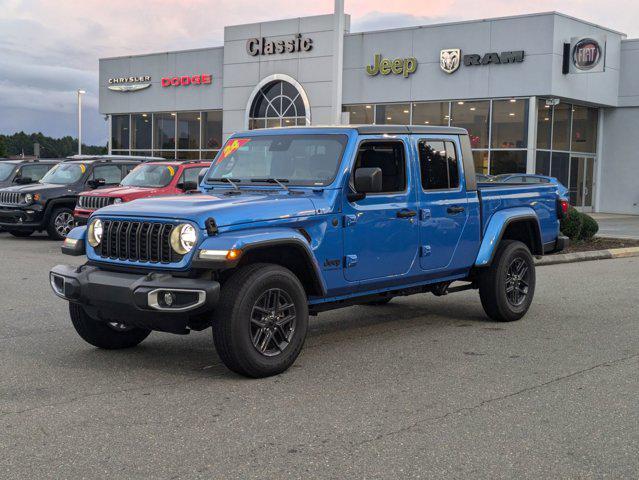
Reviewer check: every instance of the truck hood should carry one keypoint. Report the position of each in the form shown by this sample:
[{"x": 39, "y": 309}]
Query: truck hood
[{"x": 225, "y": 209}]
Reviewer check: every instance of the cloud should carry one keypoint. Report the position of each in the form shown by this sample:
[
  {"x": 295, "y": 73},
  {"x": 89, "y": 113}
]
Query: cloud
[{"x": 49, "y": 49}]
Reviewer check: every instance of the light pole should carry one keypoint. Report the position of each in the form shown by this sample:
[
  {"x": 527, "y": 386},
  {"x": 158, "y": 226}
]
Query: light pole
[{"x": 80, "y": 93}]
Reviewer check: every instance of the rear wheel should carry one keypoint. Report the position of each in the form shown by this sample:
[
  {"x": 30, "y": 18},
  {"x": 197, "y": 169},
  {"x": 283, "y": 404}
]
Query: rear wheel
[
  {"x": 110, "y": 336},
  {"x": 21, "y": 233},
  {"x": 60, "y": 223},
  {"x": 260, "y": 325},
  {"x": 507, "y": 287}
]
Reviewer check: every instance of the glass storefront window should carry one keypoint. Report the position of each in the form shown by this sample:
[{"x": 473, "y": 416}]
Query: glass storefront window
[
  {"x": 561, "y": 127},
  {"x": 168, "y": 154},
  {"x": 504, "y": 161},
  {"x": 544, "y": 124},
  {"x": 431, "y": 113},
  {"x": 188, "y": 155},
  {"x": 473, "y": 116},
  {"x": 141, "y": 131},
  {"x": 164, "y": 131},
  {"x": 209, "y": 154},
  {"x": 359, "y": 114},
  {"x": 142, "y": 153},
  {"x": 559, "y": 167},
  {"x": 584, "y": 129},
  {"x": 188, "y": 131},
  {"x": 212, "y": 129},
  {"x": 120, "y": 132},
  {"x": 542, "y": 163},
  {"x": 392, "y": 114},
  {"x": 510, "y": 123},
  {"x": 480, "y": 158}
]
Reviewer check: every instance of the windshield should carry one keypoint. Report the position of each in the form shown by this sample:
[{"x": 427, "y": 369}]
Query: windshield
[
  {"x": 64, "y": 173},
  {"x": 152, "y": 176},
  {"x": 5, "y": 171},
  {"x": 294, "y": 159}
]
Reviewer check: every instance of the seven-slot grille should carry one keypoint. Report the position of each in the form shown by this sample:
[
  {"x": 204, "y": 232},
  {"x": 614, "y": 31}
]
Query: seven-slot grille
[
  {"x": 137, "y": 242},
  {"x": 93, "y": 203},
  {"x": 9, "y": 198}
]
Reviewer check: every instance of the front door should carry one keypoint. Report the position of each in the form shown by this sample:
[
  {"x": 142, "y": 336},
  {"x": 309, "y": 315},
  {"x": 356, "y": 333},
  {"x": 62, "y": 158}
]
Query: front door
[
  {"x": 380, "y": 231},
  {"x": 443, "y": 203},
  {"x": 581, "y": 183}
]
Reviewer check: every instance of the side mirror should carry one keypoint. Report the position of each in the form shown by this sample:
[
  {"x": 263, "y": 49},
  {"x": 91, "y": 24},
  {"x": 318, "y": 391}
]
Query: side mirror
[
  {"x": 23, "y": 180},
  {"x": 201, "y": 175},
  {"x": 97, "y": 183}
]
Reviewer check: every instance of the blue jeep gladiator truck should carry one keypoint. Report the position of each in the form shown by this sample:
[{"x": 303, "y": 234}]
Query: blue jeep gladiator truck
[{"x": 294, "y": 221}]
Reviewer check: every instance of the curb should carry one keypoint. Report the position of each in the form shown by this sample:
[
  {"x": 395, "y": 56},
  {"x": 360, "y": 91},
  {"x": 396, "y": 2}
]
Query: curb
[{"x": 587, "y": 256}]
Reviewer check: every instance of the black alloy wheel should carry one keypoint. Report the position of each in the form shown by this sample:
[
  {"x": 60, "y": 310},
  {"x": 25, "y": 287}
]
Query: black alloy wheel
[{"x": 273, "y": 321}]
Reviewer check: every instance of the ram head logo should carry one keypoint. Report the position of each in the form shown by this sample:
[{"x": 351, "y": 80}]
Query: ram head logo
[{"x": 449, "y": 59}]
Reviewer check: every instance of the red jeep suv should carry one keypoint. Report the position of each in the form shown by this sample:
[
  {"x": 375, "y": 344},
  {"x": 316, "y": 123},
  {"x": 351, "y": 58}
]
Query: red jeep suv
[{"x": 151, "y": 179}]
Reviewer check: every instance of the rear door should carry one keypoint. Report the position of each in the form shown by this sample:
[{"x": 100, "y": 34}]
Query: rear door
[
  {"x": 443, "y": 203},
  {"x": 380, "y": 231}
]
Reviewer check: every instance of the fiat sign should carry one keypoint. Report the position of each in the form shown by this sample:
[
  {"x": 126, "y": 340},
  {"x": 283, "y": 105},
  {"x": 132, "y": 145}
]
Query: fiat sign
[{"x": 587, "y": 54}]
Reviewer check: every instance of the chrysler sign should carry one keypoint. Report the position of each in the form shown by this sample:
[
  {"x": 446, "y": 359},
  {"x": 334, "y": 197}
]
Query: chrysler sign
[{"x": 129, "y": 84}]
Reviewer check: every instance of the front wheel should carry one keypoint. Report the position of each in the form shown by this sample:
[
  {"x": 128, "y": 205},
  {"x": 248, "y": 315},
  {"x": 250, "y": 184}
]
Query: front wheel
[
  {"x": 260, "y": 325},
  {"x": 507, "y": 287},
  {"x": 60, "y": 223},
  {"x": 110, "y": 336}
]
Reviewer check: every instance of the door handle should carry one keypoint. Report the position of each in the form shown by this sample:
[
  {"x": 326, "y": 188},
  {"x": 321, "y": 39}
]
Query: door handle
[
  {"x": 455, "y": 210},
  {"x": 406, "y": 213}
]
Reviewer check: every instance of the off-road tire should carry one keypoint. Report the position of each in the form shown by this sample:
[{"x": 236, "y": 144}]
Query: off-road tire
[
  {"x": 101, "y": 334},
  {"x": 51, "y": 225},
  {"x": 21, "y": 233},
  {"x": 232, "y": 320},
  {"x": 493, "y": 282}
]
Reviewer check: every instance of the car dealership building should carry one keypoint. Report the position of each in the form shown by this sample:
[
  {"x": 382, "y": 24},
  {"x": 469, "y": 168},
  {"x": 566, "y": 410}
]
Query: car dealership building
[{"x": 543, "y": 93}]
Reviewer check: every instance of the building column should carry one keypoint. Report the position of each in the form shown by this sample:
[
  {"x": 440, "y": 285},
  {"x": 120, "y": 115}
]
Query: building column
[
  {"x": 532, "y": 135},
  {"x": 597, "y": 180},
  {"x": 110, "y": 135},
  {"x": 338, "y": 62}
]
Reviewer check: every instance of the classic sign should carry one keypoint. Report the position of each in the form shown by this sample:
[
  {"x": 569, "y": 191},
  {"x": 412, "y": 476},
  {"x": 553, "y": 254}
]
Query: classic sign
[
  {"x": 262, "y": 46},
  {"x": 398, "y": 66}
]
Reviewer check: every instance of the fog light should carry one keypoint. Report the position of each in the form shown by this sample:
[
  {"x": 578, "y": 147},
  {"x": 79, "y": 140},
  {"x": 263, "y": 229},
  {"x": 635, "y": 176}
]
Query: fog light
[{"x": 169, "y": 298}]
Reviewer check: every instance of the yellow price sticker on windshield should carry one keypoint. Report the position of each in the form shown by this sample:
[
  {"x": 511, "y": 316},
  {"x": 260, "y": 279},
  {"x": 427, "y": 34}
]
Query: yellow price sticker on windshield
[
  {"x": 83, "y": 168},
  {"x": 171, "y": 170},
  {"x": 232, "y": 146}
]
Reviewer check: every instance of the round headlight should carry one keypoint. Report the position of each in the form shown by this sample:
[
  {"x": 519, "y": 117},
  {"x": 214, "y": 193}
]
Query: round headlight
[
  {"x": 28, "y": 198},
  {"x": 183, "y": 238},
  {"x": 117, "y": 200},
  {"x": 94, "y": 235}
]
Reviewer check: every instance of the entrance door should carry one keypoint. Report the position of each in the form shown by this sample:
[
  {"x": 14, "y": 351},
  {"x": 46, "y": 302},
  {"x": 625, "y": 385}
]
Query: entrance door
[
  {"x": 380, "y": 230},
  {"x": 581, "y": 188}
]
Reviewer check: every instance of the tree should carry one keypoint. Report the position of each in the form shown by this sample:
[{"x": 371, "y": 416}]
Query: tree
[
  {"x": 50, "y": 147},
  {"x": 3, "y": 146}
]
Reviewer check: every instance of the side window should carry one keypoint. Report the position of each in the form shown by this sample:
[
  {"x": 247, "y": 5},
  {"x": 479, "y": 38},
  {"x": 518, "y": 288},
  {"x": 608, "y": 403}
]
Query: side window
[
  {"x": 438, "y": 164},
  {"x": 112, "y": 174},
  {"x": 34, "y": 172},
  {"x": 390, "y": 158},
  {"x": 190, "y": 175}
]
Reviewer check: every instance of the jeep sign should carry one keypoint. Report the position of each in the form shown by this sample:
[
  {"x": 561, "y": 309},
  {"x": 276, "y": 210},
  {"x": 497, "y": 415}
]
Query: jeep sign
[{"x": 397, "y": 66}]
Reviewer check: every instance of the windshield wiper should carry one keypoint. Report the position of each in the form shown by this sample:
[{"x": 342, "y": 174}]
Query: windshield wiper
[
  {"x": 272, "y": 180},
  {"x": 225, "y": 179}
]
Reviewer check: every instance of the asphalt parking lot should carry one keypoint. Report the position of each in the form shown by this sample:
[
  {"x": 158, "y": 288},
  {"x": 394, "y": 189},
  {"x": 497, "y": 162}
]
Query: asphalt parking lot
[{"x": 425, "y": 387}]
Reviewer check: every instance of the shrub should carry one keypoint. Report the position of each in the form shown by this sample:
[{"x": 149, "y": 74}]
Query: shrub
[
  {"x": 571, "y": 225},
  {"x": 588, "y": 228}
]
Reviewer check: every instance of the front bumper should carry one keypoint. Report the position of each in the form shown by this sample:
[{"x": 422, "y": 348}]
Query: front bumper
[
  {"x": 81, "y": 216},
  {"x": 157, "y": 301},
  {"x": 16, "y": 218}
]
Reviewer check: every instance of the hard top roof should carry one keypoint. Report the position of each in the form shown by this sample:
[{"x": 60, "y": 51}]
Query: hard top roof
[
  {"x": 112, "y": 158},
  {"x": 382, "y": 129},
  {"x": 30, "y": 160}
]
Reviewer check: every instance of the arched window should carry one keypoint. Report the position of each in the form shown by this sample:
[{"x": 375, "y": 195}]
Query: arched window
[{"x": 277, "y": 104}]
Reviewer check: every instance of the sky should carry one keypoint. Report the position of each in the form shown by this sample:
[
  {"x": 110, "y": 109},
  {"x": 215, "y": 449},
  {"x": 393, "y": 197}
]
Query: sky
[{"x": 50, "y": 48}]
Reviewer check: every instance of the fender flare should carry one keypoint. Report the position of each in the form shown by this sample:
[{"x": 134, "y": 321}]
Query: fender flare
[
  {"x": 58, "y": 202},
  {"x": 251, "y": 240},
  {"x": 496, "y": 228}
]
